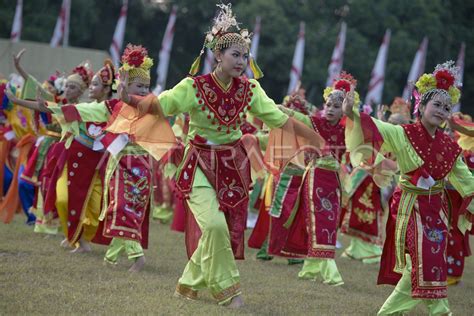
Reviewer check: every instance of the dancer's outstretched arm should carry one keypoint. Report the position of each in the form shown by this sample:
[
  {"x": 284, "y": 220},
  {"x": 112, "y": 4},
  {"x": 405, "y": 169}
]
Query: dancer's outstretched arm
[{"x": 32, "y": 105}]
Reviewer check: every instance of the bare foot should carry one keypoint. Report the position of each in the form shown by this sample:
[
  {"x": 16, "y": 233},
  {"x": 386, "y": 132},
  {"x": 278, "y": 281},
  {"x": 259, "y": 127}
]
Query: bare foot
[
  {"x": 138, "y": 265},
  {"x": 81, "y": 250},
  {"x": 64, "y": 243},
  {"x": 84, "y": 246},
  {"x": 236, "y": 302}
]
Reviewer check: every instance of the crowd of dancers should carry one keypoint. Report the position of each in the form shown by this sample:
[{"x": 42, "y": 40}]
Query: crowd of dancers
[{"x": 217, "y": 155}]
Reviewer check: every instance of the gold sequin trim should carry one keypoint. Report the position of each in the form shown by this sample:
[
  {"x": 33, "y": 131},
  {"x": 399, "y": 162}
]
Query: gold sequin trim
[
  {"x": 186, "y": 292},
  {"x": 228, "y": 293}
]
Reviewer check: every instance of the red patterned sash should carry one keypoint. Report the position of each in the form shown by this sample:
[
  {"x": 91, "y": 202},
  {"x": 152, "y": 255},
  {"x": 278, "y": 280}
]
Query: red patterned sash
[
  {"x": 227, "y": 169},
  {"x": 225, "y": 166}
]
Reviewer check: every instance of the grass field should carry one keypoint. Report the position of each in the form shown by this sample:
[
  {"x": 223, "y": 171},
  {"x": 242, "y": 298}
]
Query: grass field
[{"x": 37, "y": 276}]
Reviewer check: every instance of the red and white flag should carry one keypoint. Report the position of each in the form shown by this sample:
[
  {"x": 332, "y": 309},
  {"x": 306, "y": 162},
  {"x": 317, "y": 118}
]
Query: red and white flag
[
  {"x": 374, "y": 93},
  {"x": 335, "y": 67},
  {"x": 298, "y": 58},
  {"x": 254, "y": 47},
  {"x": 119, "y": 34},
  {"x": 16, "y": 27},
  {"x": 460, "y": 64},
  {"x": 208, "y": 62},
  {"x": 61, "y": 30},
  {"x": 417, "y": 68},
  {"x": 166, "y": 44}
]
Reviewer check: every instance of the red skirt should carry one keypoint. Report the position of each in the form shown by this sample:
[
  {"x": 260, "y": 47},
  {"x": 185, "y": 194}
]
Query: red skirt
[
  {"x": 312, "y": 227},
  {"x": 425, "y": 241},
  {"x": 82, "y": 164},
  {"x": 128, "y": 211},
  {"x": 363, "y": 216},
  {"x": 458, "y": 243},
  {"x": 227, "y": 169}
]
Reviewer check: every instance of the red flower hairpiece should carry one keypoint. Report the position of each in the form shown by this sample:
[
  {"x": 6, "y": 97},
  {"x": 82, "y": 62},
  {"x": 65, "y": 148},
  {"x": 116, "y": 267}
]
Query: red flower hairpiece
[
  {"x": 347, "y": 76},
  {"x": 298, "y": 106},
  {"x": 344, "y": 82},
  {"x": 84, "y": 73},
  {"x": 134, "y": 55},
  {"x": 444, "y": 79},
  {"x": 342, "y": 85}
]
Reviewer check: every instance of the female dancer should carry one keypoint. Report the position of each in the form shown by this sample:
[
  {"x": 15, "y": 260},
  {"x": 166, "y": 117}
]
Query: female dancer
[
  {"x": 459, "y": 234},
  {"x": 414, "y": 254},
  {"x": 214, "y": 175},
  {"x": 362, "y": 217},
  {"x": 77, "y": 198},
  {"x": 42, "y": 161},
  {"x": 308, "y": 199},
  {"x": 127, "y": 183}
]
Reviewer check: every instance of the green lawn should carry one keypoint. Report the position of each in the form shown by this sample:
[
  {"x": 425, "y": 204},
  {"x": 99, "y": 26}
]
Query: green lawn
[{"x": 37, "y": 276}]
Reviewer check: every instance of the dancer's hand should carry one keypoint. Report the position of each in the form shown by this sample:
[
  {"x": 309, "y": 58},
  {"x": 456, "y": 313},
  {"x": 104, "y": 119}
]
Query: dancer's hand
[
  {"x": 18, "y": 67},
  {"x": 379, "y": 112},
  {"x": 122, "y": 89},
  {"x": 17, "y": 57},
  {"x": 41, "y": 102},
  {"x": 348, "y": 103}
]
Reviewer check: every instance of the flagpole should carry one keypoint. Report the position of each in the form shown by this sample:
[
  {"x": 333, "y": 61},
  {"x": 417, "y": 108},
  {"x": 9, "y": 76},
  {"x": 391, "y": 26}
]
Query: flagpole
[
  {"x": 67, "y": 15},
  {"x": 119, "y": 34},
  {"x": 460, "y": 61},
  {"x": 337, "y": 58},
  {"x": 15, "y": 35},
  {"x": 166, "y": 45},
  {"x": 298, "y": 58},
  {"x": 417, "y": 68},
  {"x": 255, "y": 42},
  {"x": 374, "y": 93},
  {"x": 460, "y": 64},
  {"x": 59, "y": 28}
]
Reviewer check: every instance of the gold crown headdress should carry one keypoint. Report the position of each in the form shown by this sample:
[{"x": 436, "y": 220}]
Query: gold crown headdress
[
  {"x": 224, "y": 33},
  {"x": 136, "y": 61}
]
